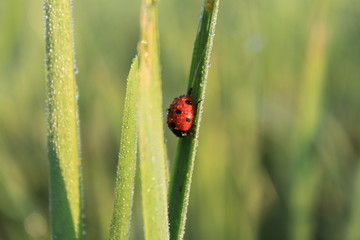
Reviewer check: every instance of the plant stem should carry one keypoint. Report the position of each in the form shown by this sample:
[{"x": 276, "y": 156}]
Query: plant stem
[
  {"x": 150, "y": 128},
  {"x": 307, "y": 174},
  {"x": 66, "y": 200},
  {"x": 125, "y": 178},
  {"x": 186, "y": 149},
  {"x": 352, "y": 228}
]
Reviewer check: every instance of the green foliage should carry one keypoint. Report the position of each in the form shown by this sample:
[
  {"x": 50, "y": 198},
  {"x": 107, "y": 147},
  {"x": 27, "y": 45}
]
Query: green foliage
[
  {"x": 266, "y": 83},
  {"x": 305, "y": 167},
  {"x": 150, "y": 127},
  {"x": 352, "y": 231},
  {"x": 125, "y": 179},
  {"x": 63, "y": 140},
  {"x": 187, "y": 147}
]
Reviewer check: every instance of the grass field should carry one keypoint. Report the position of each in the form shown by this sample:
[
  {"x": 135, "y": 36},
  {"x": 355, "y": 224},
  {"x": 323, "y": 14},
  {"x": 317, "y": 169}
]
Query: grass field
[{"x": 279, "y": 146}]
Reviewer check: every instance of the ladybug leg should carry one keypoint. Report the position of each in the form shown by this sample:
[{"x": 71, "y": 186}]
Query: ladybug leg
[
  {"x": 198, "y": 103},
  {"x": 189, "y": 92},
  {"x": 191, "y": 131}
]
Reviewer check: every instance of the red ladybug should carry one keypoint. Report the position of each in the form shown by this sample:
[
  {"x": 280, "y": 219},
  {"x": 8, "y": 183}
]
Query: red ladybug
[{"x": 181, "y": 114}]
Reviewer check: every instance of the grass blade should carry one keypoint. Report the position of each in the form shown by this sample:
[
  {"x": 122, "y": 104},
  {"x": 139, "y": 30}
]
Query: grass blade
[
  {"x": 150, "y": 127},
  {"x": 63, "y": 135},
  {"x": 186, "y": 150},
  {"x": 125, "y": 179},
  {"x": 352, "y": 228},
  {"x": 307, "y": 174}
]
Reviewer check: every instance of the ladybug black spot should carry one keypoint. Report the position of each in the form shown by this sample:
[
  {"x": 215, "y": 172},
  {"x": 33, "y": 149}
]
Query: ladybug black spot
[
  {"x": 172, "y": 125},
  {"x": 187, "y": 119},
  {"x": 178, "y": 111},
  {"x": 188, "y": 102}
]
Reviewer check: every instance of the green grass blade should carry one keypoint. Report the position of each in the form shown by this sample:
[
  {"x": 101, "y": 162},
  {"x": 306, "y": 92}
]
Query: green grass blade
[
  {"x": 186, "y": 150},
  {"x": 63, "y": 135},
  {"x": 150, "y": 127},
  {"x": 352, "y": 228},
  {"x": 125, "y": 179},
  {"x": 307, "y": 174}
]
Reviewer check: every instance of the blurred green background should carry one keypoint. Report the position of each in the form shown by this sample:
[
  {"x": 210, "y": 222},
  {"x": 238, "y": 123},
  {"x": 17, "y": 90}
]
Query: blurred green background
[{"x": 279, "y": 144}]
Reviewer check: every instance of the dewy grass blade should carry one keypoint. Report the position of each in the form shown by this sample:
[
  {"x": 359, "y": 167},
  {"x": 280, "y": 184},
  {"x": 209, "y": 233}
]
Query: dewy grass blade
[
  {"x": 186, "y": 150},
  {"x": 66, "y": 200},
  {"x": 150, "y": 128},
  {"x": 125, "y": 180}
]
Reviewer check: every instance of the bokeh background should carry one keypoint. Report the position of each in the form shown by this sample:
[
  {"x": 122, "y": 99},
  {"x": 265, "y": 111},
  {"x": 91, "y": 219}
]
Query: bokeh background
[{"x": 279, "y": 144}]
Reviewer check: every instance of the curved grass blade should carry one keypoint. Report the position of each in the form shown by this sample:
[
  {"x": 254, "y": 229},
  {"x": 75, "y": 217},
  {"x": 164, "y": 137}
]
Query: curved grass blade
[
  {"x": 125, "y": 178},
  {"x": 186, "y": 149},
  {"x": 66, "y": 200},
  {"x": 150, "y": 128}
]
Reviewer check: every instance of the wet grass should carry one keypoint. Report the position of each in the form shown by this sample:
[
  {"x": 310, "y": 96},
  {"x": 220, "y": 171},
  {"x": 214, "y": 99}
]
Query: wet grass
[
  {"x": 245, "y": 184},
  {"x": 66, "y": 199}
]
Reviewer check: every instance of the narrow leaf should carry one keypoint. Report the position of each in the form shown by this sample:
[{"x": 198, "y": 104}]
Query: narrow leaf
[
  {"x": 352, "y": 227},
  {"x": 125, "y": 178},
  {"x": 306, "y": 170},
  {"x": 186, "y": 149},
  {"x": 150, "y": 128},
  {"x": 63, "y": 134}
]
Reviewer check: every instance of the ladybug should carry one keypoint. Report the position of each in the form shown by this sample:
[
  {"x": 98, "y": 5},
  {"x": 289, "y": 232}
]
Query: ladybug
[{"x": 180, "y": 115}]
